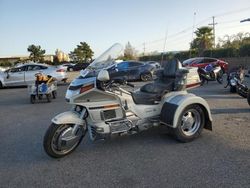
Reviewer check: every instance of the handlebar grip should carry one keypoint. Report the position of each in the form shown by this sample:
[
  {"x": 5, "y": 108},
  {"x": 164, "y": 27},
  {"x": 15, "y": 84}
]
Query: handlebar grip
[{"x": 131, "y": 85}]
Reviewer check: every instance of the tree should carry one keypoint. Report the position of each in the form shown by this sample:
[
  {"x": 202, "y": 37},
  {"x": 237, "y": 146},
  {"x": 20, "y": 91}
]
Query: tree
[
  {"x": 82, "y": 53},
  {"x": 234, "y": 41},
  {"x": 129, "y": 52},
  {"x": 203, "y": 40},
  {"x": 36, "y": 53}
]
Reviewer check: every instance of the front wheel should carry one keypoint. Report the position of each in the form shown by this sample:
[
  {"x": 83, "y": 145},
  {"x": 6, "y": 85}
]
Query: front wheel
[
  {"x": 146, "y": 77},
  {"x": 202, "y": 80},
  {"x": 190, "y": 123},
  {"x": 232, "y": 89},
  {"x": 54, "y": 94},
  {"x": 48, "y": 96},
  {"x": 220, "y": 79},
  {"x": 60, "y": 140},
  {"x": 32, "y": 99}
]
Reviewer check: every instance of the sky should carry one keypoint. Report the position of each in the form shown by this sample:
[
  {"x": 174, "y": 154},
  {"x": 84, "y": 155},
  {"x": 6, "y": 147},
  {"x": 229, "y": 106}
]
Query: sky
[{"x": 148, "y": 25}]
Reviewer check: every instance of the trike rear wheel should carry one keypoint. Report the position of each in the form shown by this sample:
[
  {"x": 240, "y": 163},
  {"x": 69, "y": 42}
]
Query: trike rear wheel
[{"x": 190, "y": 123}]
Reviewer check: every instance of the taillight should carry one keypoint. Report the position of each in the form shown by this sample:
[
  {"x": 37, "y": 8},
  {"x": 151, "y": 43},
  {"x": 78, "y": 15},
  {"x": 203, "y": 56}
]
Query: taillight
[
  {"x": 86, "y": 88},
  {"x": 60, "y": 70}
]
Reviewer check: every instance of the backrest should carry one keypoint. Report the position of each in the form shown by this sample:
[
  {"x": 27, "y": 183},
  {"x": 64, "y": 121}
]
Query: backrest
[
  {"x": 175, "y": 74},
  {"x": 170, "y": 68}
]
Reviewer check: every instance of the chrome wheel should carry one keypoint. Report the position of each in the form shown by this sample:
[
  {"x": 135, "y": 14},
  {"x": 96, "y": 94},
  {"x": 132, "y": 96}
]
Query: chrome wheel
[
  {"x": 62, "y": 139},
  {"x": 191, "y": 122}
]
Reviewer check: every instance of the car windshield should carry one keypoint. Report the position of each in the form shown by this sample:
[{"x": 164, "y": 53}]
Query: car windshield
[{"x": 188, "y": 61}]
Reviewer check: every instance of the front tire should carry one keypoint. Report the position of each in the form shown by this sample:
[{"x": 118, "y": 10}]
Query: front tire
[
  {"x": 232, "y": 89},
  {"x": 220, "y": 79},
  {"x": 48, "y": 96},
  {"x": 146, "y": 77},
  {"x": 53, "y": 142},
  {"x": 54, "y": 94},
  {"x": 190, "y": 123},
  {"x": 32, "y": 99},
  {"x": 202, "y": 81}
]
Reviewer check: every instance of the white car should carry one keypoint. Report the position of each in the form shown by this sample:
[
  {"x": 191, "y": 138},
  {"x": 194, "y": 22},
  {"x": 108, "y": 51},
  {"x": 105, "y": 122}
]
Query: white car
[
  {"x": 2, "y": 69},
  {"x": 25, "y": 74},
  {"x": 65, "y": 66}
]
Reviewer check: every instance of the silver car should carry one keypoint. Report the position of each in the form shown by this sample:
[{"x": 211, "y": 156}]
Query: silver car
[{"x": 25, "y": 74}]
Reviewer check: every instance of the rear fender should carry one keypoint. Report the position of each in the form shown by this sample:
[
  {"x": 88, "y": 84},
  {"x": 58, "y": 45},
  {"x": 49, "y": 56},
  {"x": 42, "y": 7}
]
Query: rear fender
[
  {"x": 173, "y": 108},
  {"x": 69, "y": 117}
]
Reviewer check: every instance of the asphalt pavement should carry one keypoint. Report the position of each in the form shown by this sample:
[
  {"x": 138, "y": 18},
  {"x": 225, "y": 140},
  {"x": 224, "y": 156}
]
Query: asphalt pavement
[{"x": 152, "y": 158}]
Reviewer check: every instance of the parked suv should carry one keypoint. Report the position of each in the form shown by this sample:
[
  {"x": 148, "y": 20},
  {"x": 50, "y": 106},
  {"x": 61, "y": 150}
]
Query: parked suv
[{"x": 202, "y": 62}]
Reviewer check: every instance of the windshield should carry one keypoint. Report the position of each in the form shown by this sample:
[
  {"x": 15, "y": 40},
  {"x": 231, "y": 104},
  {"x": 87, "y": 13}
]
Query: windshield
[
  {"x": 108, "y": 58},
  {"x": 188, "y": 61},
  {"x": 104, "y": 61}
]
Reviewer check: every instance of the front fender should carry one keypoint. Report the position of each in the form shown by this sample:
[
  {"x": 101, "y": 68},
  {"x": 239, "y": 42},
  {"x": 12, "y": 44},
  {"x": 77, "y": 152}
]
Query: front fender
[
  {"x": 173, "y": 108},
  {"x": 69, "y": 117}
]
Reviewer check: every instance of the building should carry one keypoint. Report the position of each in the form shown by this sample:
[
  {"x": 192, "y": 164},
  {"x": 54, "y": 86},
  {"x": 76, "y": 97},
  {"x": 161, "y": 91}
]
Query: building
[
  {"x": 14, "y": 59},
  {"x": 61, "y": 56}
]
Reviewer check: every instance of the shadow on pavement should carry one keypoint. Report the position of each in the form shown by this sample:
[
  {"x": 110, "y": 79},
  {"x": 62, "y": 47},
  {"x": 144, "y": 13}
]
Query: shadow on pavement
[{"x": 230, "y": 110}]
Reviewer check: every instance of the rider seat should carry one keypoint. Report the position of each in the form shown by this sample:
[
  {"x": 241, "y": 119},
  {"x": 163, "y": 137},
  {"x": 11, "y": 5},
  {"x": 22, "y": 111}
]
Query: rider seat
[{"x": 167, "y": 78}]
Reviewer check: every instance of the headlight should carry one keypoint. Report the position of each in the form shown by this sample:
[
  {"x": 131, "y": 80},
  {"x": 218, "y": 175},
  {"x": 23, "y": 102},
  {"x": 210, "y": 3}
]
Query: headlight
[
  {"x": 71, "y": 93},
  {"x": 233, "y": 82}
]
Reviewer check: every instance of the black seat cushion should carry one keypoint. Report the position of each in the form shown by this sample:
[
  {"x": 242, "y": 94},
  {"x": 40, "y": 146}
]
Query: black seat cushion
[
  {"x": 158, "y": 87},
  {"x": 145, "y": 98}
]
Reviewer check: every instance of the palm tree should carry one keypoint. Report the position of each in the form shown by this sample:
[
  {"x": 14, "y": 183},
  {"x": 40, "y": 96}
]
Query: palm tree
[{"x": 203, "y": 40}]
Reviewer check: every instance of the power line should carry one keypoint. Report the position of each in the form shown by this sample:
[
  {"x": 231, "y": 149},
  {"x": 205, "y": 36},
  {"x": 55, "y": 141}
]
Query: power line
[
  {"x": 233, "y": 12},
  {"x": 234, "y": 26},
  {"x": 174, "y": 35}
]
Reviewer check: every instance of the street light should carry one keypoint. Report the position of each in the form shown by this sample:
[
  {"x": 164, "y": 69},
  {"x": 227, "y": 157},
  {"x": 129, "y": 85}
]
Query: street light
[{"x": 245, "y": 20}]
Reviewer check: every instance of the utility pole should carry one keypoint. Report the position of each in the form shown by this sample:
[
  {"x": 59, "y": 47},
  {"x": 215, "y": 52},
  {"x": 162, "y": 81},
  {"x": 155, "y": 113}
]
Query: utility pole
[
  {"x": 213, "y": 24},
  {"x": 190, "y": 52},
  {"x": 144, "y": 48},
  {"x": 164, "y": 47}
]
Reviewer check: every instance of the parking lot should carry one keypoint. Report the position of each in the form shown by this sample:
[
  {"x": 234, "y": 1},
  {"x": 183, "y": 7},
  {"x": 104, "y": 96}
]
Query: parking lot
[{"x": 220, "y": 158}]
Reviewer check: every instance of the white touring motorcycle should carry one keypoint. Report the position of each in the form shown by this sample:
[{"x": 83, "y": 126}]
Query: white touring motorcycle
[{"x": 103, "y": 108}]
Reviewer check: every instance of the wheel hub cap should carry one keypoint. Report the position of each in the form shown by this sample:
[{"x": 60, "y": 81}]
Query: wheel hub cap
[{"x": 191, "y": 121}]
